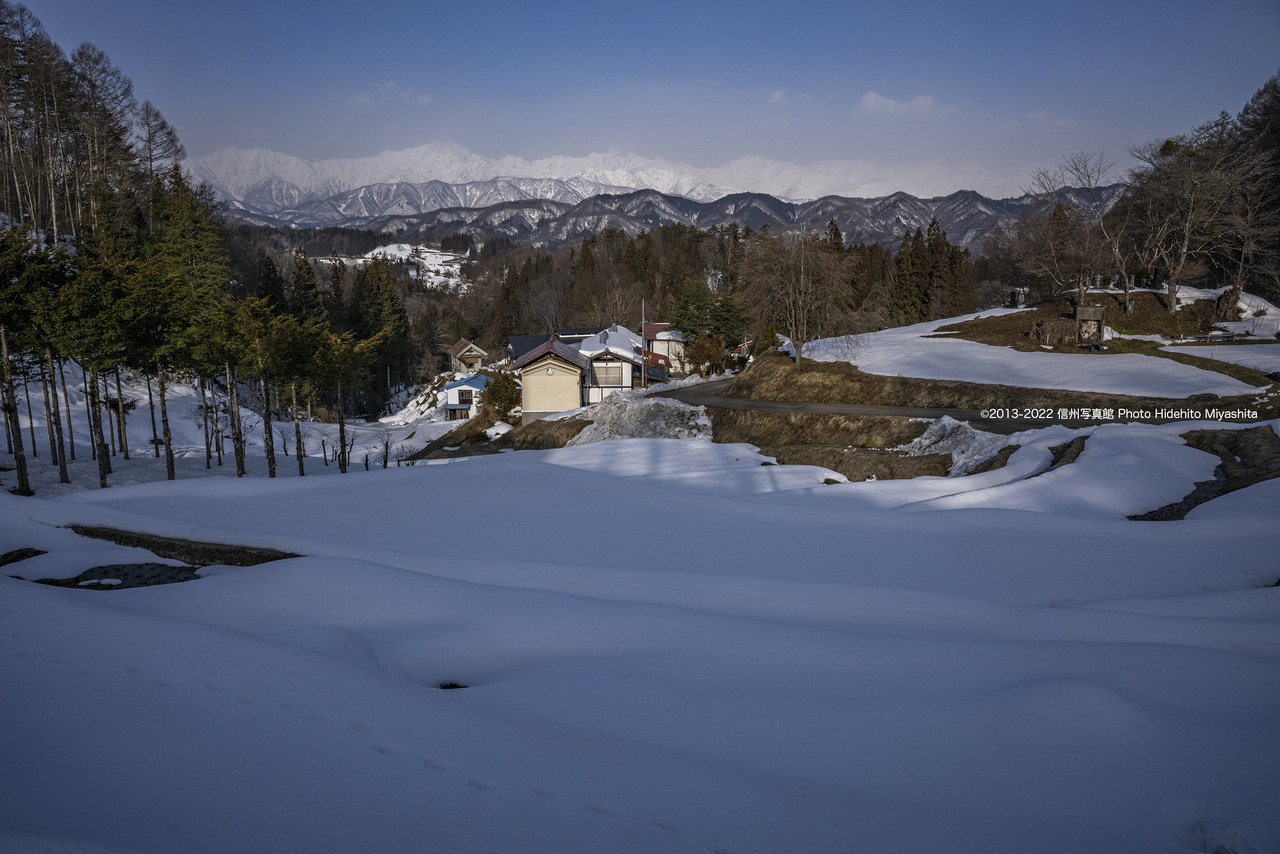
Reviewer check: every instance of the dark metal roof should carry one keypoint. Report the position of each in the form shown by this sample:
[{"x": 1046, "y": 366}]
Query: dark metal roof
[{"x": 552, "y": 347}]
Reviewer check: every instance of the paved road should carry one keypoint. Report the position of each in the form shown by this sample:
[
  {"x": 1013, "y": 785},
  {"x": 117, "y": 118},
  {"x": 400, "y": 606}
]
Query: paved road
[{"x": 708, "y": 394}]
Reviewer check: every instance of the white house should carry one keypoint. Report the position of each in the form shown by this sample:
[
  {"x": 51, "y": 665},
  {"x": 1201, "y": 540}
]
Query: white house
[
  {"x": 613, "y": 355},
  {"x": 665, "y": 340},
  {"x": 462, "y": 398}
]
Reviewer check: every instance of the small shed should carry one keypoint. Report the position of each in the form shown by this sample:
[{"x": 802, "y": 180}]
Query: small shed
[{"x": 1089, "y": 322}]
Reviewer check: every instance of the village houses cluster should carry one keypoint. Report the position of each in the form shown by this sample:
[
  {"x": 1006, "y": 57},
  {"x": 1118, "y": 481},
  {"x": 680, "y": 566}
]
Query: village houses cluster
[{"x": 568, "y": 370}]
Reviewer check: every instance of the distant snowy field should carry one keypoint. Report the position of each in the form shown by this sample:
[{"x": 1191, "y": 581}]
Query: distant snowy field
[
  {"x": 429, "y": 266},
  {"x": 668, "y": 647},
  {"x": 1264, "y": 357},
  {"x": 908, "y": 352}
]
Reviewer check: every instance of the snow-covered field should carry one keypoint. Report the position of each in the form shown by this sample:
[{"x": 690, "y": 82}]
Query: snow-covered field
[
  {"x": 907, "y": 351},
  {"x": 1264, "y": 357},
  {"x": 429, "y": 266},
  {"x": 667, "y": 646}
]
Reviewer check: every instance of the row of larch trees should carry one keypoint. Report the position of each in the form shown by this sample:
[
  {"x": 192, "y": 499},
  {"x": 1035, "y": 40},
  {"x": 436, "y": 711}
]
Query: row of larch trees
[
  {"x": 111, "y": 261},
  {"x": 1201, "y": 207}
]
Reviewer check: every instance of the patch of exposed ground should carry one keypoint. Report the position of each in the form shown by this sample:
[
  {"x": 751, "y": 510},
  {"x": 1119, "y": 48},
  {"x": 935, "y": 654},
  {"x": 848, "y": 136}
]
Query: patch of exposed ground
[
  {"x": 187, "y": 551},
  {"x": 1247, "y": 457},
  {"x": 996, "y": 462},
  {"x": 123, "y": 576},
  {"x": 1064, "y": 454},
  {"x": 19, "y": 554},
  {"x": 858, "y": 464}
]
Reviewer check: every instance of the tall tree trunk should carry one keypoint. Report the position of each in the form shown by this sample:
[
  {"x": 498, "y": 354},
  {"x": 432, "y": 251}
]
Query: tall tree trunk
[
  {"x": 204, "y": 420},
  {"x": 342, "y": 434},
  {"x": 31, "y": 421},
  {"x": 63, "y": 477},
  {"x": 95, "y": 429},
  {"x": 151, "y": 404},
  {"x": 218, "y": 436},
  {"x": 111, "y": 427},
  {"x": 89, "y": 409},
  {"x": 66, "y": 399},
  {"x": 48, "y": 414},
  {"x": 233, "y": 416},
  {"x": 268, "y": 441},
  {"x": 4, "y": 410},
  {"x": 124, "y": 436},
  {"x": 10, "y": 404},
  {"x": 297, "y": 429},
  {"x": 169, "y": 472},
  {"x": 164, "y": 424}
]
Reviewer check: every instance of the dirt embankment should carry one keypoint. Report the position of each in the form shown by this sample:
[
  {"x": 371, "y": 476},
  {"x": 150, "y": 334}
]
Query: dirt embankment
[
  {"x": 857, "y": 447},
  {"x": 469, "y": 439}
]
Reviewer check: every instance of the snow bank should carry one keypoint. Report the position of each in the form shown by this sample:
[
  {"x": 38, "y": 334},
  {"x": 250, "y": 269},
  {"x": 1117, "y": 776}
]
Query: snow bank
[
  {"x": 968, "y": 447},
  {"x": 630, "y": 416}
]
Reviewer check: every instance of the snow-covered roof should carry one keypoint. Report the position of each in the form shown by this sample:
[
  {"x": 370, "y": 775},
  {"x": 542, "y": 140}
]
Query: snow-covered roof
[
  {"x": 478, "y": 381},
  {"x": 618, "y": 340},
  {"x": 663, "y": 332}
]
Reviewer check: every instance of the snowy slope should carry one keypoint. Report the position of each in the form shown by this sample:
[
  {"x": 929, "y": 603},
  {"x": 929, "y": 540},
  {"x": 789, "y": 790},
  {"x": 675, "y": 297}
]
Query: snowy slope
[
  {"x": 817, "y": 669},
  {"x": 667, "y": 646}
]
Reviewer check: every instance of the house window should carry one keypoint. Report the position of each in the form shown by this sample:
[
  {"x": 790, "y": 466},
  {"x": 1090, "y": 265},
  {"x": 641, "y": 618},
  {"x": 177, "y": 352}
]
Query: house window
[
  {"x": 464, "y": 396},
  {"x": 606, "y": 375}
]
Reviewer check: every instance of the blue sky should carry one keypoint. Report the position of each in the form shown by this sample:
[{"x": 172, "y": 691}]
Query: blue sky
[{"x": 987, "y": 89}]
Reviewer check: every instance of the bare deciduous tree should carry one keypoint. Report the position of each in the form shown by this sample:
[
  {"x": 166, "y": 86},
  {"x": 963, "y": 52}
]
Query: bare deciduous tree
[{"x": 796, "y": 283}]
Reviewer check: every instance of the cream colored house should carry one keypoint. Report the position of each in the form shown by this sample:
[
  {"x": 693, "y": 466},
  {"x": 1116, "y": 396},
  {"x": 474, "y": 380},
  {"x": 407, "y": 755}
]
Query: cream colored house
[{"x": 551, "y": 379}]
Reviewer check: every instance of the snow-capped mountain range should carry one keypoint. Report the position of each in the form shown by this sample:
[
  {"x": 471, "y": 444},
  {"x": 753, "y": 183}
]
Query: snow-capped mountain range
[{"x": 438, "y": 187}]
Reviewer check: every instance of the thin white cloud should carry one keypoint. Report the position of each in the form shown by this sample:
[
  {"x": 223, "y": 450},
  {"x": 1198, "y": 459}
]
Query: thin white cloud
[
  {"x": 782, "y": 96},
  {"x": 875, "y": 104},
  {"x": 389, "y": 92}
]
